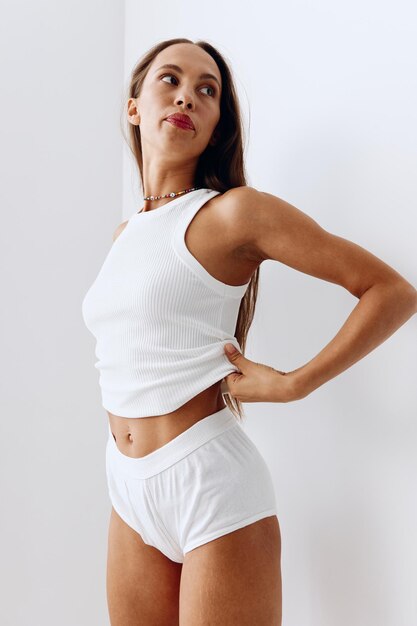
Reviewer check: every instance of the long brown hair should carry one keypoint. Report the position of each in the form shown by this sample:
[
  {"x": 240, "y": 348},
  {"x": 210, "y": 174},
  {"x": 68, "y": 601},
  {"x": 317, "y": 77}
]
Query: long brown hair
[{"x": 220, "y": 167}]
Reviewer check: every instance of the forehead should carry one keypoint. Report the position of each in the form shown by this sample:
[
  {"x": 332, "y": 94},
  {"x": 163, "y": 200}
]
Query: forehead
[{"x": 189, "y": 57}]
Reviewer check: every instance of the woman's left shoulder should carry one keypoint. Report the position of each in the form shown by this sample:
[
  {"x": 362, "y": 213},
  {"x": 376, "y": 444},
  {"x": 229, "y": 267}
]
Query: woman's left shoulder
[
  {"x": 234, "y": 212},
  {"x": 239, "y": 196},
  {"x": 237, "y": 203}
]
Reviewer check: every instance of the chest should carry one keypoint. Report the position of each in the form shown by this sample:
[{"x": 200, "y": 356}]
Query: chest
[{"x": 173, "y": 267}]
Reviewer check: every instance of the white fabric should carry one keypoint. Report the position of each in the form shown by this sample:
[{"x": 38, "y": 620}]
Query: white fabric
[
  {"x": 208, "y": 481},
  {"x": 159, "y": 318}
]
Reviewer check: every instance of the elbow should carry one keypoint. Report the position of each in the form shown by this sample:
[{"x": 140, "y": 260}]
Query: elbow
[
  {"x": 400, "y": 291},
  {"x": 407, "y": 295},
  {"x": 410, "y": 293},
  {"x": 413, "y": 297}
]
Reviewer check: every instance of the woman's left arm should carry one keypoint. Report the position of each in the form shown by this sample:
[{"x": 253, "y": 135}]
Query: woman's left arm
[{"x": 279, "y": 231}]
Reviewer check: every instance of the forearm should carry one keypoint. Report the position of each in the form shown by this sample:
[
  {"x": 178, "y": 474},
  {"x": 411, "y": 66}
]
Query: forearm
[{"x": 380, "y": 311}]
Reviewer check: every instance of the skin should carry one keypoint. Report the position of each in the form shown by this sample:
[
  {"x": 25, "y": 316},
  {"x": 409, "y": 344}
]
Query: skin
[
  {"x": 222, "y": 581},
  {"x": 281, "y": 232}
]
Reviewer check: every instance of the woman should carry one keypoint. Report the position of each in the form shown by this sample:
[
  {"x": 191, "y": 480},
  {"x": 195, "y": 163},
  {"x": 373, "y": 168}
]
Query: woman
[{"x": 194, "y": 536}]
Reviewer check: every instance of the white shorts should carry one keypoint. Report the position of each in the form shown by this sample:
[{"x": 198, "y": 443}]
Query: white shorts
[{"x": 206, "y": 482}]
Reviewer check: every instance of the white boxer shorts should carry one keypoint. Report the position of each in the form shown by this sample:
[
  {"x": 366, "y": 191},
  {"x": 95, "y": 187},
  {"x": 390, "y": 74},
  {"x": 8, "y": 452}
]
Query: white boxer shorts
[{"x": 208, "y": 481}]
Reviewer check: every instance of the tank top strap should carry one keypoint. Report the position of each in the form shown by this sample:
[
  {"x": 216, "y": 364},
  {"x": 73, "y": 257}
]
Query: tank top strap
[{"x": 193, "y": 207}]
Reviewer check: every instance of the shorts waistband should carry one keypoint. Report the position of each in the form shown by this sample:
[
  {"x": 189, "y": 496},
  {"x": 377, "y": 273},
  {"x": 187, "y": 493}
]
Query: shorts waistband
[{"x": 176, "y": 449}]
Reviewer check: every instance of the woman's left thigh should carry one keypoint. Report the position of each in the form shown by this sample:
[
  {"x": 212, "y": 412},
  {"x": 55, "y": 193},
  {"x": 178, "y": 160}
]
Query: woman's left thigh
[{"x": 234, "y": 579}]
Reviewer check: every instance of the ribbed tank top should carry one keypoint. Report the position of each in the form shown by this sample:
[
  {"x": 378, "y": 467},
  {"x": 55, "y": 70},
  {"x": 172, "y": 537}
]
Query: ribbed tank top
[{"x": 160, "y": 319}]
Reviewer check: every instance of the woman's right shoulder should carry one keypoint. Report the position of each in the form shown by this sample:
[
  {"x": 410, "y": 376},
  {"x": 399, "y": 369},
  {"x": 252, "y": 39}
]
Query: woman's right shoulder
[{"x": 119, "y": 230}]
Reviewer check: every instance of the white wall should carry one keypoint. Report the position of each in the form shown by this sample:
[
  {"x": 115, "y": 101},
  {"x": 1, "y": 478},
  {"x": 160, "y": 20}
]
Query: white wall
[
  {"x": 329, "y": 96},
  {"x": 61, "y": 164}
]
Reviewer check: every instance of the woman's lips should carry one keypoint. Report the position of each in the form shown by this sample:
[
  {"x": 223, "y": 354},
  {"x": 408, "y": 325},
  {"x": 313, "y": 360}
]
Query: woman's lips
[{"x": 179, "y": 123}]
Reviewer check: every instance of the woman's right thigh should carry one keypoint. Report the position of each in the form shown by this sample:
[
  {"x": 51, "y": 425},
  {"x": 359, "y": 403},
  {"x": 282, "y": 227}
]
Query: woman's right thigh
[{"x": 142, "y": 583}]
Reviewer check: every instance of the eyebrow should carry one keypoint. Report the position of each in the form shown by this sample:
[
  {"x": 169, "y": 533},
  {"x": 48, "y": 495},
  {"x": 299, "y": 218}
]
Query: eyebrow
[{"x": 177, "y": 68}]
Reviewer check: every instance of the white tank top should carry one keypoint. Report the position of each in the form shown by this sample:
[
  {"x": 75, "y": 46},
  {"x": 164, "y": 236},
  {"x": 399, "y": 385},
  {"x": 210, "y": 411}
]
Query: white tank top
[{"x": 159, "y": 318}]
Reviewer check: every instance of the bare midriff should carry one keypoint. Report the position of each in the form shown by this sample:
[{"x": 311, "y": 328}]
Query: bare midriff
[{"x": 138, "y": 436}]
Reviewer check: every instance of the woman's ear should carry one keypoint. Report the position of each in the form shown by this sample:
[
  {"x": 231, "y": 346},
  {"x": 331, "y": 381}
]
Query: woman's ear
[{"x": 133, "y": 112}]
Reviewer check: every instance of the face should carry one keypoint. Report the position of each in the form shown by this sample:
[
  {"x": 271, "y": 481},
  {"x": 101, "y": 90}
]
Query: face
[{"x": 168, "y": 90}]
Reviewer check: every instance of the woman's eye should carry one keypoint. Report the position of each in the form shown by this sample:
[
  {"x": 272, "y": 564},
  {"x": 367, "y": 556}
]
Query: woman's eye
[
  {"x": 206, "y": 87},
  {"x": 212, "y": 89},
  {"x": 168, "y": 76}
]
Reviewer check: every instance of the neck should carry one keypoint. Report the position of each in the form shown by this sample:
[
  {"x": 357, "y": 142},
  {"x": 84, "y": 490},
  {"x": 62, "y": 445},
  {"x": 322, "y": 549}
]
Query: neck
[
  {"x": 164, "y": 189},
  {"x": 173, "y": 195}
]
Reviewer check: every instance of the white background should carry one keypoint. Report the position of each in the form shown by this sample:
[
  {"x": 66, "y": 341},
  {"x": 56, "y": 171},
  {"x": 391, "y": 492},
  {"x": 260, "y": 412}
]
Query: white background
[{"x": 328, "y": 91}]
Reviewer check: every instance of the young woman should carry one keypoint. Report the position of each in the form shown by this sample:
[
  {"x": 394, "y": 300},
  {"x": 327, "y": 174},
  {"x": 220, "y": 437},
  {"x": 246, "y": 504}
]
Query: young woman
[{"x": 194, "y": 536}]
